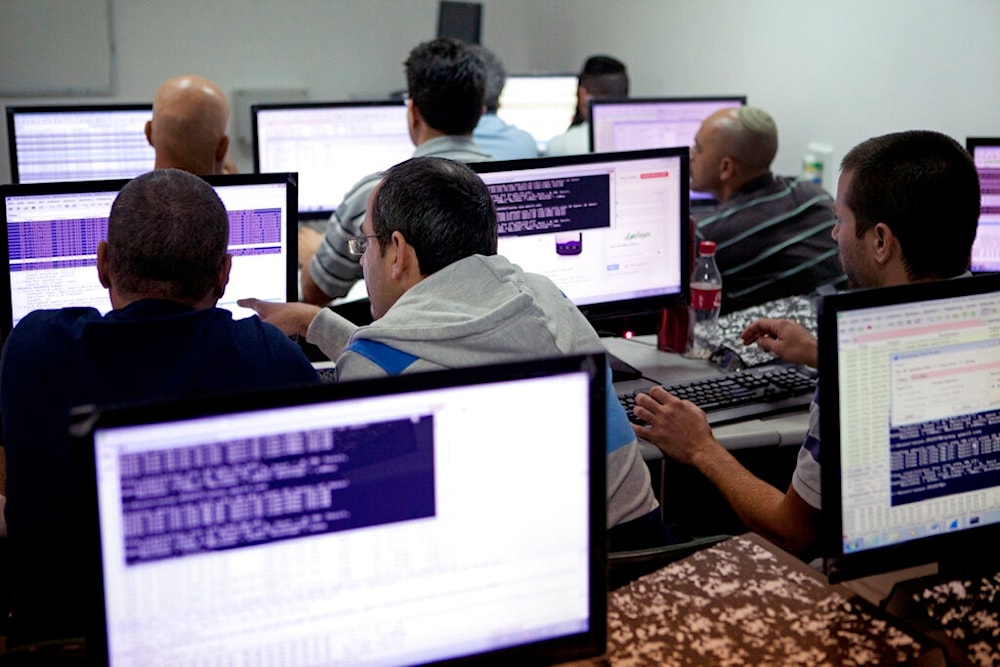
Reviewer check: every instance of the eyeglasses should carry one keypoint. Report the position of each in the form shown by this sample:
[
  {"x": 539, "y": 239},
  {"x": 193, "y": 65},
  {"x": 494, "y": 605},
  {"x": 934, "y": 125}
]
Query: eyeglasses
[{"x": 356, "y": 245}]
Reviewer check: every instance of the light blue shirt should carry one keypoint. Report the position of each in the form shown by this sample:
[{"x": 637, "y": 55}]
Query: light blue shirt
[{"x": 503, "y": 141}]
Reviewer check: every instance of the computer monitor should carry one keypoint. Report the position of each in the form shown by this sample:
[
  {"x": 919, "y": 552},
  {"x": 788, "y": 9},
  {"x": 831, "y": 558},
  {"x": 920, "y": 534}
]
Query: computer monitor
[
  {"x": 332, "y": 146},
  {"x": 610, "y": 229},
  {"x": 78, "y": 142},
  {"x": 51, "y": 232},
  {"x": 541, "y": 104},
  {"x": 910, "y": 403},
  {"x": 358, "y": 523},
  {"x": 986, "y": 249},
  {"x": 638, "y": 123}
]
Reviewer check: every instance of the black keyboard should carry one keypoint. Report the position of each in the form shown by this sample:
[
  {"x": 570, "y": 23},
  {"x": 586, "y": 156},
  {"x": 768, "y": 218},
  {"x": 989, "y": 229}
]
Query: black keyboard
[{"x": 742, "y": 395}]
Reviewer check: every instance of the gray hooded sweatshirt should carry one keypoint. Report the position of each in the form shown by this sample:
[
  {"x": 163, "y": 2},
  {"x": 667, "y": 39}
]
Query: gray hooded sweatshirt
[{"x": 479, "y": 311}]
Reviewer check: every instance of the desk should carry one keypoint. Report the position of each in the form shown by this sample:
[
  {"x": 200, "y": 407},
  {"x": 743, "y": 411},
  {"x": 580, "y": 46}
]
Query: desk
[{"x": 746, "y": 602}]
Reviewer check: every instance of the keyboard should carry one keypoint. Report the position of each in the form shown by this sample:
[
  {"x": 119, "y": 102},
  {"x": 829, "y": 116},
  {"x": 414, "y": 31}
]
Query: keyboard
[{"x": 741, "y": 395}]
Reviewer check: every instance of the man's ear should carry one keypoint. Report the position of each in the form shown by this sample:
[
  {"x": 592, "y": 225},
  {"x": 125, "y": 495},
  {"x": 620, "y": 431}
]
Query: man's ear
[
  {"x": 404, "y": 258},
  {"x": 727, "y": 168},
  {"x": 884, "y": 243},
  {"x": 103, "y": 270},
  {"x": 413, "y": 119},
  {"x": 149, "y": 132},
  {"x": 223, "y": 278},
  {"x": 222, "y": 148}
]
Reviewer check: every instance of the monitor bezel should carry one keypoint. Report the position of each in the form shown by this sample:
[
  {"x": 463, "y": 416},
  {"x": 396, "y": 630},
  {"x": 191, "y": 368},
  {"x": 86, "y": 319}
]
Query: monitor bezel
[
  {"x": 639, "y": 101},
  {"x": 289, "y": 179},
  {"x": 13, "y": 111},
  {"x": 942, "y": 548},
  {"x": 971, "y": 144},
  {"x": 590, "y": 643},
  {"x": 703, "y": 199},
  {"x": 293, "y": 106},
  {"x": 603, "y": 315}
]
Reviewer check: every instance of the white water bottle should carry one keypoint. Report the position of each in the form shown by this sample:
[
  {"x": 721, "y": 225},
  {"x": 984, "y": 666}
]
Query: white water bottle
[{"x": 706, "y": 300}]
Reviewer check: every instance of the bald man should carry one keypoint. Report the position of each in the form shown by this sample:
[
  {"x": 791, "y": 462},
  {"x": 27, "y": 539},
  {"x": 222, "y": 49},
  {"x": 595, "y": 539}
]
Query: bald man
[
  {"x": 190, "y": 126},
  {"x": 772, "y": 232}
]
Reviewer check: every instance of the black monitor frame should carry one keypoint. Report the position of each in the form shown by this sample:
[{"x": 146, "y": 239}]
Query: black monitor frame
[
  {"x": 290, "y": 179},
  {"x": 947, "y": 548},
  {"x": 13, "y": 111},
  {"x": 590, "y": 643},
  {"x": 291, "y": 106},
  {"x": 637, "y": 315},
  {"x": 971, "y": 143},
  {"x": 737, "y": 100}
]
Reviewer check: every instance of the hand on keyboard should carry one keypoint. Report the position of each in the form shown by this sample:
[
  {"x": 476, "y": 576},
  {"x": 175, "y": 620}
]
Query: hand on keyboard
[
  {"x": 676, "y": 426},
  {"x": 742, "y": 395}
]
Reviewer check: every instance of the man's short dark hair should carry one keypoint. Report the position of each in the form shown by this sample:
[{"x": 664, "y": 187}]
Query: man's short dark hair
[
  {"x": 167, "y": 236},
  {"x": 923, "y": 185},
  {"x": 446, "y": 80},
  {"x": 442, "y": 208},
  {"x": 604, "y": 76}
]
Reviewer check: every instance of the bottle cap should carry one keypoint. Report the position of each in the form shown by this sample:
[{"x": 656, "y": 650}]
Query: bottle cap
[{"x": 706, "y": 248}]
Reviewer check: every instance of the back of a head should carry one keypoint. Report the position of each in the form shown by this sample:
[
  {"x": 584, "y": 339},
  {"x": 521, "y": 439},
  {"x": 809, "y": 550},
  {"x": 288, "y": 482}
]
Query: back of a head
[
  {"x": 604, "y": 76},
  {"x": 924, "y": 186},
  {"x": 168, "y": 233},
  {"x": 446, "y": 80},
  {"x": 755, "y": 142},
  {"x": 442, "y": 208},
  {"x": 496, "y": 76},
  {"x": 190, "y": 121}
]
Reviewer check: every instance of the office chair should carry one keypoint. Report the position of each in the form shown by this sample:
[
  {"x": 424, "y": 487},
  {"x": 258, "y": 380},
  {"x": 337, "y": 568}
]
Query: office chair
[{"x": 625, "y": 567}]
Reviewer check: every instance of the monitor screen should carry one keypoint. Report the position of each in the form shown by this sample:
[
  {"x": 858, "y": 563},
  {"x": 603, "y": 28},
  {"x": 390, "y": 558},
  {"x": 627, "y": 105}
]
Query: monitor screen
[
  {"x": 635, "y": 124},
  {"x": 52, "y": 231},
  {"x": 910, "y": 404},
  {"x": 610, "y": 229},
  {"x": 986, "y": 249},
  {"x": 541, "y": 104},
  {"x": 78, "y": 143},
  {"x": 354, "y": 523},
  {"x": 332, "y": 146}
]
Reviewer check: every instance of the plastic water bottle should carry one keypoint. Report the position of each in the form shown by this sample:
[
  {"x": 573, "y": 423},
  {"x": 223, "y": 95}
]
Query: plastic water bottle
[{"x": 706, "y": 300}]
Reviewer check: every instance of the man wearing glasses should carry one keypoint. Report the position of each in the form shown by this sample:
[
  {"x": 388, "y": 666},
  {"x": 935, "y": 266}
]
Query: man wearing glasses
[{"x": 442, "y": 298}]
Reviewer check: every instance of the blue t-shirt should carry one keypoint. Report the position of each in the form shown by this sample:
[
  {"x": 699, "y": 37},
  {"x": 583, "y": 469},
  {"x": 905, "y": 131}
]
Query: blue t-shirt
[{"x": 54, "y": 360}]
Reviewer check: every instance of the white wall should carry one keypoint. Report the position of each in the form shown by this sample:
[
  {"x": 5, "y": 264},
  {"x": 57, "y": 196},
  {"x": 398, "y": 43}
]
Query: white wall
[{"x": 834, "y": 71}]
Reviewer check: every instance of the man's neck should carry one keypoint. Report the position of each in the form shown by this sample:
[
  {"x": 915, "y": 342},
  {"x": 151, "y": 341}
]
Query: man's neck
[{"x": 427, "y": 133}]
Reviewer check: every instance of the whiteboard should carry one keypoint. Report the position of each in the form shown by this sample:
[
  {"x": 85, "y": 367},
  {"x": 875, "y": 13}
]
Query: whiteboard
[{"x": 56, "y": 47}]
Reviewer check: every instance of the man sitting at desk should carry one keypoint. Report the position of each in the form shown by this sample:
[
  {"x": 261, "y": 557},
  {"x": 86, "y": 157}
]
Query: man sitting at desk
[
  {"x": 165, "y": 264},
  {"x": 907, "y": 208},
  {"x": 445, "y": 83},
  {"x": 772, "y": 233},
  {"x": 442, "y": 298}
]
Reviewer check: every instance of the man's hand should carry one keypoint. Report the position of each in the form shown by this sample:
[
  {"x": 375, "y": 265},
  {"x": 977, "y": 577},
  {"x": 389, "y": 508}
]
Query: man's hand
[
  {"x": 291, "y": 318},
  {"x": 788, "y": 340},
  {"x": 677, "y": 427}
]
